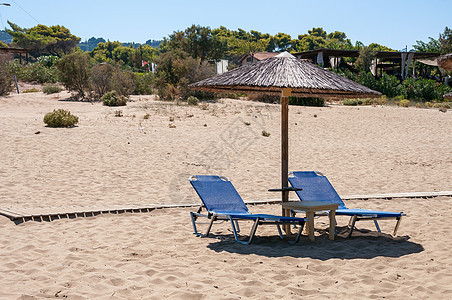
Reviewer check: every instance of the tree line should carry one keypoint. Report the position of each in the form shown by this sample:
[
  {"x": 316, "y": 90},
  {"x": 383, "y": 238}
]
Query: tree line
[
  {"x": 182, "y": 57},
  {"x": 198, "y": 42}
]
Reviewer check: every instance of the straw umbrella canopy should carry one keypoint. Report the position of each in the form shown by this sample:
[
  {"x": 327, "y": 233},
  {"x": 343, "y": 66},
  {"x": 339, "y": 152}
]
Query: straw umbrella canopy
[
  {"x": 445, "y": 62},
  {"x": 286, "y": 76},
  {"x": 448, "y": 96}
]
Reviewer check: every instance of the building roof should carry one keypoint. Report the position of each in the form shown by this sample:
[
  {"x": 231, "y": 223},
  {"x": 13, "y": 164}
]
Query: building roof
[
  {"x": 259, "y": 55},
  {"x": 13, "y": 50},
  {"x": 394, "y": 55}
]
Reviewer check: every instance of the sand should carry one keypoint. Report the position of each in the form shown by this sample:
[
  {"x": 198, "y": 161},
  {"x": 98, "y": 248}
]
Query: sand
[{"x": 130, "y": 160}]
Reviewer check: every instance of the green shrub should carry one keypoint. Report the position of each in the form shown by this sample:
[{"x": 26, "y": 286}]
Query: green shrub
[
  {"x": 399, "y": 97},
  {"x": 350, "y": 102},
  {"x": 122, "y": 82},
  {"x": 403, "y": 103},
  {"x": 424, "y": 89},
  {"x": 192, "y": 100},
  {"x": 265, "y": 133},
  {"x": 6, "y": 79},
  {"x": 176, "y": 69},
  {"x": 389, "y": 85},
  {"x": 51, "y": 88},
  {"x": 32, "y": 90},
  {"x": 413, "y": 89},
  {"x": 33, "y": 72},
  {"x": 265, "y": 98},
  {"x": 373, "y": 101},
  {"x": 48, "y": 61},
  {"x": 143, "y": 84},
  {"x": 100, "y": 80},
  {"x": 113, "y": 99},
  {"x": 73, "y": 72},
  {"x": 5, "y": 82},
  {"x": 60, "y": 118},
  {"x": 443, "y": 104},
  {"x": 307, "y": 101}
]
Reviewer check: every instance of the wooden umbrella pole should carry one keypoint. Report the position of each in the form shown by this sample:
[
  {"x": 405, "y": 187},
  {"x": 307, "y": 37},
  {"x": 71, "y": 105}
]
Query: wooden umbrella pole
[{"x": 286, "y": 92}]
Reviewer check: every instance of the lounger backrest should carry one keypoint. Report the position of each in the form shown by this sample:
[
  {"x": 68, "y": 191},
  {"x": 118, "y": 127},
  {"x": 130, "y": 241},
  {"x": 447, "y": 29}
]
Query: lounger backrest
[
  {"x": 316, "y": 187},
  {"x": 218, "y": 194}
]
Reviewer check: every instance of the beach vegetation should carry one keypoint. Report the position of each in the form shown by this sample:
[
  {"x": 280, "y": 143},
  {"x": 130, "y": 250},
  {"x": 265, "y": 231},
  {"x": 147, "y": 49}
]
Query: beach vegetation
[
  {"x": 40, "y": 71},
  {"x": 307, "y": 101},
  {"x": 192, "y": 100},
  {"x": 412, "y": 89},
  {"x": 51, "y": 88},
  {"x": 365, "y": 58},
  {"x": 43, "y": 40},
  {"x": 122, "y": 81},
  {"x": 265, "y": 133},
  {"x": 176, "y": 69},
  {"x": 106, "y": 77},
  {"x": 6, "y": 78},
  {"x": 100, "y": 79},
  {"x": 144, "y": 83},
  {"x": 32, "y": 90},
  {"x": 403, "y": 103},
  {"x": 112, "y": 98},
  {"x": 73, "y": 72},
  {"x": 350, "y": 102},
  {"x": 60, "y": 118}
]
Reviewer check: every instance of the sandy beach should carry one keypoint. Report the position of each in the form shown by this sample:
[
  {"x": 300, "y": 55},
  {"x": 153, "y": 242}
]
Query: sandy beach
[{"x": 139, "y": 159}]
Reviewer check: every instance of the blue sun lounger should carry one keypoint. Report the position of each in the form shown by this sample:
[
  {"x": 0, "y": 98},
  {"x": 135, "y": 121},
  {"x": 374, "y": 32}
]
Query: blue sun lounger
[
  {"x": 316, "y": 187},
  {"x": 222, "y": 202}
]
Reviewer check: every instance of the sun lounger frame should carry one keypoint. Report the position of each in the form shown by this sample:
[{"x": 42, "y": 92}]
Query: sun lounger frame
[
  {"x": 355, "y": 217},
  {"x": 234, "y": 218}
]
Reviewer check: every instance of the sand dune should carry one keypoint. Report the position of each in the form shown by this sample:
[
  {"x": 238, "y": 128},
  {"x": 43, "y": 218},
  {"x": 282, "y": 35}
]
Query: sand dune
[{"x": 109, "y": 160}]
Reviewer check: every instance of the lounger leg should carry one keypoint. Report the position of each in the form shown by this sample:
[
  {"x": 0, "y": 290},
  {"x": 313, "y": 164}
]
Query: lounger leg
[
  {"x": 281, "y": 236},
  {"x": 397, "y": 225},
  {"x": 193, "y": 220},
  {"x": 252, "y": 233},
  {"x": 376, "y": 225},
  {"x": 297, "y": 238},
  {"x": 237, "y": 225},
  {"x": 352, "y": 225}
]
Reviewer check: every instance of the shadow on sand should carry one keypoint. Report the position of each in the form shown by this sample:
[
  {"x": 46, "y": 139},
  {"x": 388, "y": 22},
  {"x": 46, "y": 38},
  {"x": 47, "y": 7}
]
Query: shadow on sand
[{"x": 364, "y": 244}]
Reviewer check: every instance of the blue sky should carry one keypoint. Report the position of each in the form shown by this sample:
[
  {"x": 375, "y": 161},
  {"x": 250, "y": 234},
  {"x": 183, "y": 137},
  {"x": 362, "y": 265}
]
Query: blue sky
[{"x": 394, "y": 23}]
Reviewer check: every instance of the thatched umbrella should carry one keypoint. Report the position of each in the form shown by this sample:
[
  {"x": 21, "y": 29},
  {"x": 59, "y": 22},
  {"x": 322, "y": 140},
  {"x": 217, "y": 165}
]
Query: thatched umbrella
[
  {"x": 448, "y": 96},
  {"x": 286, "y": 76},
  {"x": 445, "y": 62}
]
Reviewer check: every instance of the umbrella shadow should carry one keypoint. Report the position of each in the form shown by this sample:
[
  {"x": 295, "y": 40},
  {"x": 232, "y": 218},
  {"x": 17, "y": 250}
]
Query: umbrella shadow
[{"x": 364, "y": 244}]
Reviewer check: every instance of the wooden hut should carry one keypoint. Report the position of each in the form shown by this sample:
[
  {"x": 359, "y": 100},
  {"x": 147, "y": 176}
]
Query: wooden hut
[{"x": 15, "y": 51}]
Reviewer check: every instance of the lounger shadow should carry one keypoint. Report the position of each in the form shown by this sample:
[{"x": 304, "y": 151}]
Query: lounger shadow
[
  {"x": 222, "y": 202},
  {"x": 316, "y": 187}
]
